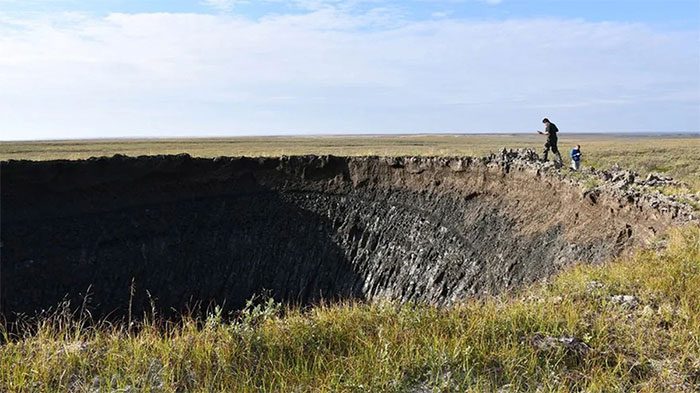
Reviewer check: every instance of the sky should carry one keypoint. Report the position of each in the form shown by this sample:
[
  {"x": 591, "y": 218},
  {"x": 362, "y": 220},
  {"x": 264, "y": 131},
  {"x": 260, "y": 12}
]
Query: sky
[{"x": 176, "y": 68}]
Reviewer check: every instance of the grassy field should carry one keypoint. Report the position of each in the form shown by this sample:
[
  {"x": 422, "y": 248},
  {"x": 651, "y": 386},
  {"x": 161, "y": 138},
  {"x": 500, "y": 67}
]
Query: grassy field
[
  {"x": 676, "y": 156},
  {"x": 568, "y": 335}
]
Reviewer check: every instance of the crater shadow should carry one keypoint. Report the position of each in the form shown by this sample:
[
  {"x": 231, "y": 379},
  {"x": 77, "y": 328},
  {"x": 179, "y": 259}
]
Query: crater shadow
[{"x": 208, "y": 249}]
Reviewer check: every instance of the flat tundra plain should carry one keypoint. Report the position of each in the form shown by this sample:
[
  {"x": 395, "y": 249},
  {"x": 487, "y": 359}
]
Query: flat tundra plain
[{"x": 671, "y": 154}]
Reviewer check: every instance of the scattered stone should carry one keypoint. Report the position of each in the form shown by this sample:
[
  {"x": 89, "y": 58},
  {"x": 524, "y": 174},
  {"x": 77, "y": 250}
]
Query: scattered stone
[
  {"x": 648, "y": 311},
  {"x": 591, "y": 196},
  {"x": 628, "y": 301},
  {"x": 556, "y": 299},
  {"x": 422, "y": 388},
  {"x": 593, "y": 286},
  {"x": 508, "y": 388},
  {"x": 395, "y": 162},
  {"x": 547, "y": 343},
  {"x": 459, "y": 165},
  {"x": 656, "y": 180}
]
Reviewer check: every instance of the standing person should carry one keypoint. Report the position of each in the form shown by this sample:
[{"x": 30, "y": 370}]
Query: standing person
[
  {"x": 576, "y": 158},
  {"x": 550, "y": 129}
]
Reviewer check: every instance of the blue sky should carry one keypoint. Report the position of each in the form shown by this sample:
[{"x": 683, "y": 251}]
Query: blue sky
[
  {"x": 77, "y": 69},
  {"x": 665, "y": 13}
]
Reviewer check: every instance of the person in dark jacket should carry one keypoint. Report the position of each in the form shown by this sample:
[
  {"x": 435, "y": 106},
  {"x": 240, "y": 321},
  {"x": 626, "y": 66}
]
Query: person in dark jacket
[{"x": 551, "y": 130}]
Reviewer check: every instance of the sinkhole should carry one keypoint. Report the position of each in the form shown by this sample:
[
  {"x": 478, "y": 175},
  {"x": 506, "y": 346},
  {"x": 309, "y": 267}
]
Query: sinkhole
[{"x": 180, "y": 231}]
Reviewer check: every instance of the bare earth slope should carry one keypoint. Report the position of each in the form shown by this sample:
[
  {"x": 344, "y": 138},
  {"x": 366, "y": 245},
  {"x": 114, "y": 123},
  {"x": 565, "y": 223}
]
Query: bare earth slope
[{"x": 306, "y": 227}]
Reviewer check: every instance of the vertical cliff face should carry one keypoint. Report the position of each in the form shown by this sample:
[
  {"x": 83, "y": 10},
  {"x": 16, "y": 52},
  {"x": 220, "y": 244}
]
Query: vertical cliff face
[{"x": 303, "y": 228}]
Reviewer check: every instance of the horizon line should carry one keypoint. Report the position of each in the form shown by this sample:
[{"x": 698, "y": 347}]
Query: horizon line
[{"x": 351, "y": 135}]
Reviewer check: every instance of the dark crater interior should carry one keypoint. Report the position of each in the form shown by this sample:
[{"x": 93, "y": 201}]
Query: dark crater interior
[{"x": 203, "y": 231}]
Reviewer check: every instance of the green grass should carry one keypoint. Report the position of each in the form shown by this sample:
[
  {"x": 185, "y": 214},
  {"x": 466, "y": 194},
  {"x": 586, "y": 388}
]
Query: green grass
[
  {"x": 478, "y": 345},
  {"x": 675, "y": 156}
]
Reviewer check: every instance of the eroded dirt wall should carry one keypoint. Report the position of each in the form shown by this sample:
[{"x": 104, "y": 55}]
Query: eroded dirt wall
[{"x": 199, "y": 230}]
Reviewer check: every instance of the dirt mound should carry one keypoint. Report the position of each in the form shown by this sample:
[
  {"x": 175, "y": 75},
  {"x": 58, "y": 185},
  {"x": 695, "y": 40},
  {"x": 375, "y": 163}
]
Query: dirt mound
[{"x": 191, "y": 230}]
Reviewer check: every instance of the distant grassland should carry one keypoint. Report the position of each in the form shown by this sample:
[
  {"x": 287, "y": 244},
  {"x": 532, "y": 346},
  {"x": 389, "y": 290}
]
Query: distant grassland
[{"x": 673, "y": 155}]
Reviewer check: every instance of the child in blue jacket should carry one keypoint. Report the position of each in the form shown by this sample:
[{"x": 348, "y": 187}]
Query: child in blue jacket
[{"x": 576, "y": 158}]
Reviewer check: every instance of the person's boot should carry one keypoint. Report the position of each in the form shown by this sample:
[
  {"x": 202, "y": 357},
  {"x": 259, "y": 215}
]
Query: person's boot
[{"x": 544, "y": 155}]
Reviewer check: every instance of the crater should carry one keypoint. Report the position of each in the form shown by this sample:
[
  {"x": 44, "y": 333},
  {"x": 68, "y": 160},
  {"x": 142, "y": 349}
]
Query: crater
[{"x": 180, "y": 231}]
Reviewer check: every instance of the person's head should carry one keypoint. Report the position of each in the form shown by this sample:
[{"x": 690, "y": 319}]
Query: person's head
[
  {"x": 578, "y": 147},
  {"x": 545, "y": 120}
]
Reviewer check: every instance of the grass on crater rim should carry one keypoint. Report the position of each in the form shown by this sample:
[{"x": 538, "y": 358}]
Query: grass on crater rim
[{"x": 650, "y": 344}]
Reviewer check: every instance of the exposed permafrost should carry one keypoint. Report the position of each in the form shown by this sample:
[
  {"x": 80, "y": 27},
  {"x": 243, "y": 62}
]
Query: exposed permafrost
[{"x": 191, "y": 230}]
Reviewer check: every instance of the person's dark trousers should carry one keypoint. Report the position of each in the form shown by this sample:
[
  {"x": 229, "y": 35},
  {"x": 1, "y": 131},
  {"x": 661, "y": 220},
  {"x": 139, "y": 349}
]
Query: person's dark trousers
[{"x": 552, "y": 144}]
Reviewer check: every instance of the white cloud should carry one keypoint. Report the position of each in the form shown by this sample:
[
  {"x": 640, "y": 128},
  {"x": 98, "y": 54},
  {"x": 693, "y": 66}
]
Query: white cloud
[
  {"x": 223, "y": 5},
  {"x": 440, "y": 14},
  {"x": 331, "y": 71}
]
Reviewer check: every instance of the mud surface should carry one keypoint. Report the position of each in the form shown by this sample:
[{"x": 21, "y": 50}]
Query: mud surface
[{"x": 188, "y": 230}]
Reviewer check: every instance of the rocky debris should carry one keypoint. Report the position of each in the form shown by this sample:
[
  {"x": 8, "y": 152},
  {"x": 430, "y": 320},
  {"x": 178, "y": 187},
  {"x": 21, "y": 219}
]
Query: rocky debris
[
  {"x": 628, "y": 301},
  {"x": 593, "y": 286},
  {"x": 655, "y": 180},
  {"x": 626, "y": 178},
  {"x": 572, "y": 344},
  {"x": 626, "y": 186},
  {"x": 421, "y": 388},
  {"x": 674, "y": 380},
  {"x": 623, "y": 179},
  {"x": 522, "y": 155},
  {"x": 591, "y": 196}
]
